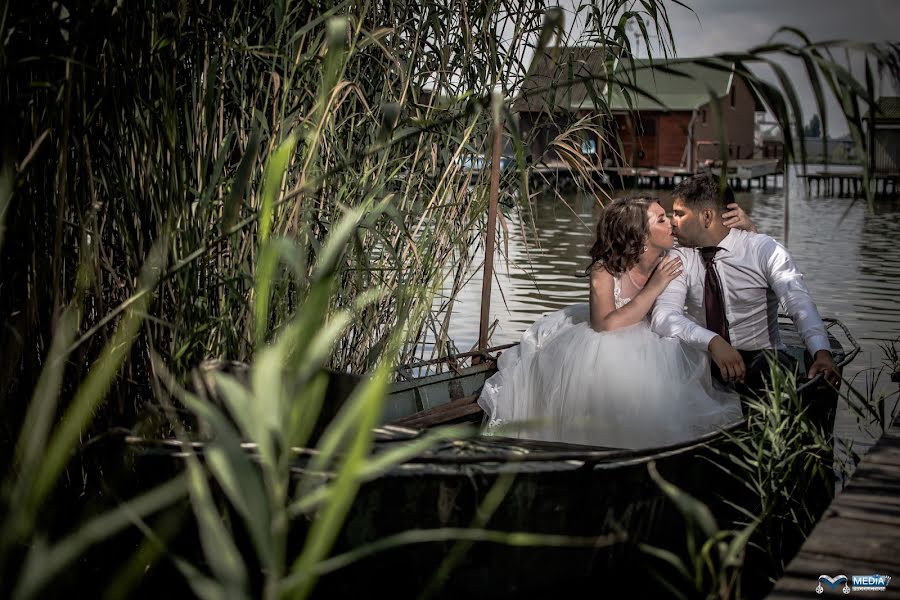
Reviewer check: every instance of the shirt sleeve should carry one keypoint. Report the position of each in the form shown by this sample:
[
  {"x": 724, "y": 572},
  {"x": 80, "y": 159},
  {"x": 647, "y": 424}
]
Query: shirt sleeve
[
  {"x": 787, "y": 283},
  {"x": 668, "y": 318}
]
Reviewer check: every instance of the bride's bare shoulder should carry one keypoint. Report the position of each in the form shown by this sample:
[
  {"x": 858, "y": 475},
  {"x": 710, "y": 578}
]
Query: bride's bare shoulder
[
  {"x": 599, "y": 274},
  {"x": 602, "y": 281}
]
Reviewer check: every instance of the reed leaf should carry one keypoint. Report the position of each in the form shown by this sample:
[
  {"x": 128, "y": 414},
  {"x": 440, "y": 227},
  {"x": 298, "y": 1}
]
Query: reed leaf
[
  {"x": 43, "y": 563},
  {"x": 693, "y": 510},
  {"x": 420, "y": 536},
  {"x": 235, "y": 198},
  {"x": 272, "y": 180},
  {"x": 41, "y": 409},
  {"x": 225, "y": 561},
  {"x": 7, "y": 185},
  {"x": 234, "y": 470},
  {"x": 379, "y": 465},
  {"x": 93, "y": 390},
  {"x": 325, "y": 528}
]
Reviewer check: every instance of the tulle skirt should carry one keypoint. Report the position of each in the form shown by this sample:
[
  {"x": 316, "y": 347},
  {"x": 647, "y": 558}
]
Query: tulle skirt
[{"x": 627, "y": 388}]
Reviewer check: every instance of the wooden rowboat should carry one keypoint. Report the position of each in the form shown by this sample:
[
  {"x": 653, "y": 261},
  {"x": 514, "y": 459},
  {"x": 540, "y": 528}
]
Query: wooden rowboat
[
  {"x": 562, "y": 489},
  {"x": 582, "y": 492},
  {"x": 451, "y": 396}
]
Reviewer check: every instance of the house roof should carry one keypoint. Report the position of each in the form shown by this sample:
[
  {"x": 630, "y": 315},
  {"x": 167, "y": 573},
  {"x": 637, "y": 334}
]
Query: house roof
[
  {"x": 770, "y": 132},
  {"x": 546, "y": 86},
  {"x": 888, "y": 109},
  {"x": 678, "y": 85},
  {"x": 675, "y": 84}
]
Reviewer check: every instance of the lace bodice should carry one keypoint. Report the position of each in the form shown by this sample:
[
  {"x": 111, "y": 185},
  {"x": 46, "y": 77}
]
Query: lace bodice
[{"x": 617, "y": 294}]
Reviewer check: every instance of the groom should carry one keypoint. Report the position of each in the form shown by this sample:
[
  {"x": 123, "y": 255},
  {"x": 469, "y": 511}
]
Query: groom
[{"x": 731, "y": 287}]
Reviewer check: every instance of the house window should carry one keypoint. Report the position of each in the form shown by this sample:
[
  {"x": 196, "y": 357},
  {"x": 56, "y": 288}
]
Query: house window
[
  {"x": 589, "y": 146},
  {"x": 646, "y": 127},
  {"x": 703, "y": 116},
  {"x": 733, "y": 95}
]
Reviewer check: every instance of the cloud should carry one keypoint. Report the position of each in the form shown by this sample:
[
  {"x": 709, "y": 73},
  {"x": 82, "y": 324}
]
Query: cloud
[{"x": 864, "y": 20}]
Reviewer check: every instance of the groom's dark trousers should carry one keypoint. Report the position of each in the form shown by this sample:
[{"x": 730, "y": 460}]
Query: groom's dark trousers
[{"x": 757, "y": 373}]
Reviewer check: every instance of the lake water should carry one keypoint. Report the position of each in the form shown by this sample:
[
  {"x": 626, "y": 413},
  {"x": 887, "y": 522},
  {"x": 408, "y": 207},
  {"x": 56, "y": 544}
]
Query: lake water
[{"x": 849, "y": 255}]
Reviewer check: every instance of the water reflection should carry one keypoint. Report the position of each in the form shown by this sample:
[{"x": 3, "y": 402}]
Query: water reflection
[{"x": 850, "y": 258}]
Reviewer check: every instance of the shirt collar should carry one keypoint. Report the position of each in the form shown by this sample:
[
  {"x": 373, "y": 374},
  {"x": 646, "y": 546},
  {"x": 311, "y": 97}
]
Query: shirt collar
[{"x": 730, "y": 241}]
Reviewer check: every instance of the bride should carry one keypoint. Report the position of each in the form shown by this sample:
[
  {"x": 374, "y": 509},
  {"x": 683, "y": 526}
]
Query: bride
[{"x": 595, "y": 373}]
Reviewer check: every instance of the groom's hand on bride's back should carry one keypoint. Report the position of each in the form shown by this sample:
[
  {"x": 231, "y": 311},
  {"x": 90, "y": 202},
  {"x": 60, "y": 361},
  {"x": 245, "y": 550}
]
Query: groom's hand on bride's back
[
  {"x": 735, "y": 218},
  {"x": 729, "y": 360}
]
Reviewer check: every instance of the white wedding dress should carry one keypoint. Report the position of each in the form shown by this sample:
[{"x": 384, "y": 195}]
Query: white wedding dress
[{"x": 627, "y": 388}]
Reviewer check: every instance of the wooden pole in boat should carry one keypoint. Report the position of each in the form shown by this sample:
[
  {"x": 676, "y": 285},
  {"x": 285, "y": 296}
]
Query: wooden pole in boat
[
  {"x": 488, "y": 274},
  {"x": 787, "y": 203}
]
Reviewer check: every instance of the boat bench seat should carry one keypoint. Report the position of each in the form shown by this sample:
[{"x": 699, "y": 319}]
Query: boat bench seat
[{"x": 462, "y": 410}]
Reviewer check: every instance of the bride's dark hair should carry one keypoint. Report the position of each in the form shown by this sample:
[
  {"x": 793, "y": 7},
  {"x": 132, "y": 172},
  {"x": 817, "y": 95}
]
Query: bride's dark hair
[{"x": 622, "y": 232}]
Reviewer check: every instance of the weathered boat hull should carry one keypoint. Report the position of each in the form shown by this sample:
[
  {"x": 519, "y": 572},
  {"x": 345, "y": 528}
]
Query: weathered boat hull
[
  {"x": 577, "y": 498},
  {"x": 541, "y": 488}
]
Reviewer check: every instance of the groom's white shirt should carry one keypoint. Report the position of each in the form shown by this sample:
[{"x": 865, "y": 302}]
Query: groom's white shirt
[{"x": 756, "y": 273}]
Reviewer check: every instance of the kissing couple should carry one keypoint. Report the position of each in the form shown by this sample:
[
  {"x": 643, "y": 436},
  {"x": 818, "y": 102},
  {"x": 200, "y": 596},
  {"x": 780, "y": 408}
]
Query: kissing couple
[{"x": 671, "y": 339}]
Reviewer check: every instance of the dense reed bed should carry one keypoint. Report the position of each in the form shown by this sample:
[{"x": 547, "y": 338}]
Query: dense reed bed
[{"x": 273, "y": 182}]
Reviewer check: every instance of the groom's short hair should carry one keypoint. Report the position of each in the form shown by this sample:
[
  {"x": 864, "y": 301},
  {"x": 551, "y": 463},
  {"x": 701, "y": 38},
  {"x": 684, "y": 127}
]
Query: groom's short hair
[{"x": 704, "y": 191}]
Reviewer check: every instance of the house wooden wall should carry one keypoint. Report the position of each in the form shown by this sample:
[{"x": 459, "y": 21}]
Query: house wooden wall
[
  {"x": 664, "y": 147},
  {"x": 540, "y": 131},
  {"x": 638, "y": 145},
  {"x": 673, "y": 138},
  {"x": 654, "y": 139},
  {"x": 738, "y": 109},
  {"x": 772, "y": 149},
  {"x": 887, "y": 149}
]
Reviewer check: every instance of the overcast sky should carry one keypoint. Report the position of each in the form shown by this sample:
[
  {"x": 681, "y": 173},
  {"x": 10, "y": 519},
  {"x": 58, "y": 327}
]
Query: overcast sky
[{"x": 732, "y": 25}]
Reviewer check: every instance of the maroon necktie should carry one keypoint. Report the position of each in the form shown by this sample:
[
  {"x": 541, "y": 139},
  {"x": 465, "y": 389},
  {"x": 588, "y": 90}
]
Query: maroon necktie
[{"x": 713, "y": 301}]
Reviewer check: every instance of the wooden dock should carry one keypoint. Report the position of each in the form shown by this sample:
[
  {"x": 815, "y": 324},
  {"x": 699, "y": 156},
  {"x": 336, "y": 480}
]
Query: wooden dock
[
  {"x": 849, "y": 184},
  {"x": 741, "y": 174},
  {"x": 859, "y": 534}
]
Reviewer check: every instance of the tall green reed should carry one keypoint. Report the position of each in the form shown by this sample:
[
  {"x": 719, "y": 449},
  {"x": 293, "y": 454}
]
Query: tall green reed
[
  {"x": 146, "y": 123},
  {"x": 29, "y": 559},
  {"x": 273, "y": 408},
  {"x": 874, "y": 406},
  {"x": 780, "y": 472},
  {"x": 782, "y": 469}
]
